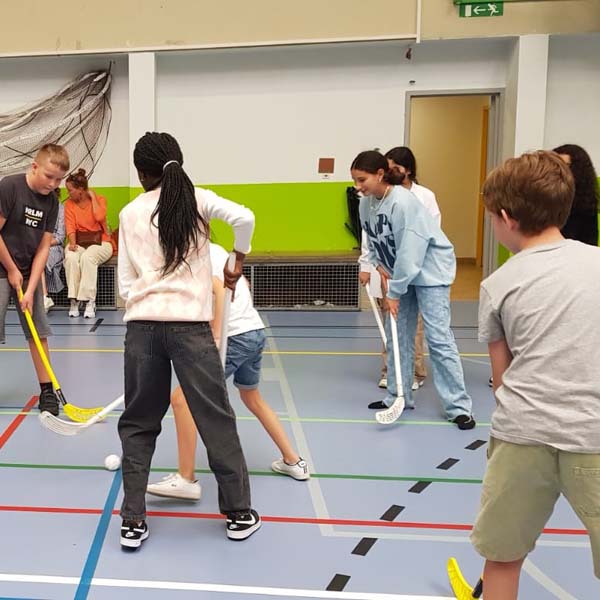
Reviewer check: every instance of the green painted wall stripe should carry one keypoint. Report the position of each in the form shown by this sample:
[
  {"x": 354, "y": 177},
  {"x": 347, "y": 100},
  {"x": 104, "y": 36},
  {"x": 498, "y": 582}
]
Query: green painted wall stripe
[{"x": 290, "y": 217}]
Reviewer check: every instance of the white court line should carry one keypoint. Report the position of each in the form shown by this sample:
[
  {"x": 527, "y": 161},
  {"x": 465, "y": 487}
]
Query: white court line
[
  {"x": 477, "y": 362},
  {"x": 549, "y": 584},
  {"x": 214, "y": 587},
  {"x": 314, "y": 487}
]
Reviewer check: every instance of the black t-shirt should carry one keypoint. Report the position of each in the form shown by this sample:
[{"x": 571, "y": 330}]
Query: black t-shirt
[{"x": 28, "y": 216}]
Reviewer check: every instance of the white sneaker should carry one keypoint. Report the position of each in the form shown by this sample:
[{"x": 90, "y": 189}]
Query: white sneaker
[
  {"x": 175, "y": 486},
  {"x": 90, "y": 310},
  {"x": 48, "y": 303},
  {"x": 298, "y": 471},
  {"x": 417, "y": 383},
  {"x": 74, "y": 310},
  {"x": 383, "y": 382},
  {"x": 391, "y": 414}
]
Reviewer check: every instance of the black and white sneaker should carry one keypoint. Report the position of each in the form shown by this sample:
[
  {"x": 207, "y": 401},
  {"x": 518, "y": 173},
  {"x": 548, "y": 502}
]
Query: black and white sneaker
[
  {"x": 464, "y": 422},
  {"x": 242, "y": 524},
  {"x": 49, "y": 402},
  {"x": 132, "y": 534}
]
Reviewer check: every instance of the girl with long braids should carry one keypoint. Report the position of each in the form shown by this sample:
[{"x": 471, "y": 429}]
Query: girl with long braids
[{"x": 165, "y": 279}]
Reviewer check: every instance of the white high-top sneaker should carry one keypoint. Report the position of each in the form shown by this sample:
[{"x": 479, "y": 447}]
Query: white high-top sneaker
[
  {"x": 74, "y": 310},
  {"x": 90, "y": 310}
]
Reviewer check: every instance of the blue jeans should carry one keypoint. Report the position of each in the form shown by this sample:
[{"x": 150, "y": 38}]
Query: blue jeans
[{"x": 448, "y": 378}]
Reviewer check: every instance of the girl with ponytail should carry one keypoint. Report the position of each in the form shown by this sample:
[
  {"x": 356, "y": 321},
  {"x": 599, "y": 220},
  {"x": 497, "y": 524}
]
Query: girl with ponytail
[
  {"x": 166, "y": 281},
  {"x": 417, "y": 264}
]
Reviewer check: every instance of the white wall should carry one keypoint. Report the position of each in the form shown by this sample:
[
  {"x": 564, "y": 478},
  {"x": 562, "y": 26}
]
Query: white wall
[
  {"x": 264, "y": 115},
  {"x": 573, "y": 102},
  {"x": 25, "y": 80}
]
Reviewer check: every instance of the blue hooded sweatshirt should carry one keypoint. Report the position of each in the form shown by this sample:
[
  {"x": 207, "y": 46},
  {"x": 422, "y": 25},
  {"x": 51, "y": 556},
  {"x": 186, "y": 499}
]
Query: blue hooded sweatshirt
[{"x": 406, "y": 241}]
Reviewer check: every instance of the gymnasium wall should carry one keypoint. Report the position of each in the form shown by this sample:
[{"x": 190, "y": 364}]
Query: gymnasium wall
[
  {"x": 253, "y": 122},
  {"x": 114, "y": 25},
  {"x": 265, "y": 116},
  {"x": 573, "y": 101}
]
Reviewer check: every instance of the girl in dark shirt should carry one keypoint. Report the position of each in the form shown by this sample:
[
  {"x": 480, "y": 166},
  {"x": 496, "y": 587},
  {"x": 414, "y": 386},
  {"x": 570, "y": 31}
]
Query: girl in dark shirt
[{"x": 582, "y": 224}]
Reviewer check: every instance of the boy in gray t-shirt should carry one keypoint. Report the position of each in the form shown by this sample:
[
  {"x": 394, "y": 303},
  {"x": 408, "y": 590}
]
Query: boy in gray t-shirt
[
  {"x": 539, "y": 315},
  {"x": 28, "y": 212}
]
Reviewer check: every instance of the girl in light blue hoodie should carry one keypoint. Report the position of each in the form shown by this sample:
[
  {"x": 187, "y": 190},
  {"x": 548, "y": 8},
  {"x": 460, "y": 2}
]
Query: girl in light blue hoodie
[{"x": 417, "y": 264}]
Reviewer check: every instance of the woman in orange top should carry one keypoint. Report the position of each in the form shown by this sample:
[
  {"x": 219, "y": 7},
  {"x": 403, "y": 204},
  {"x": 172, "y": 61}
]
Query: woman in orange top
[{"x": 88, "y": 242}]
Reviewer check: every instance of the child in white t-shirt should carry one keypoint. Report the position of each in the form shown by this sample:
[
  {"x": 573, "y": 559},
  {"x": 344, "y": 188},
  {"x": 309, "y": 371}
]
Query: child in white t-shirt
[{"x": 245, "y": 344}]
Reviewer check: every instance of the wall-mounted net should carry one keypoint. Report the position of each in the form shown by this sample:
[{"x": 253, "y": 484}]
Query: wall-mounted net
[{"x": 77, "y": 117}]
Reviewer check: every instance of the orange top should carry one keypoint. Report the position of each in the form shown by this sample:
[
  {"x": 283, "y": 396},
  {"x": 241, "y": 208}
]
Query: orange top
[{"x": 81, "y": 217}]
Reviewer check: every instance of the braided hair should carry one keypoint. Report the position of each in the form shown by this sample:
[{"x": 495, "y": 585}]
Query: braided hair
[{"x": 180, "y": 226}]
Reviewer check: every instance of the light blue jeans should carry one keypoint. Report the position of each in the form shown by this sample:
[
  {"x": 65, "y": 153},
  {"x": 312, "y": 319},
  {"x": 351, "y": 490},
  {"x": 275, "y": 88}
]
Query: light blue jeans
[{"x": 448, "y": 378}]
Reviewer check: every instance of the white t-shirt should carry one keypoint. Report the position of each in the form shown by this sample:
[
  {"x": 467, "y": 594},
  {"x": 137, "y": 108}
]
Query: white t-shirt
[
  {"x": 243, "y": 317},
  {"x": 427, "y": 198}
]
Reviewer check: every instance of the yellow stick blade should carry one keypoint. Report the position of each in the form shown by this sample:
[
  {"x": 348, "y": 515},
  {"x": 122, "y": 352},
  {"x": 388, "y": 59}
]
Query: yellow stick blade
[
  {"x": 81, "y": 415},
  {"x": 462, "y": 590}
]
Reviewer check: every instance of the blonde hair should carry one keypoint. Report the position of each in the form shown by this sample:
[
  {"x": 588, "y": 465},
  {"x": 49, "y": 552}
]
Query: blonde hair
[
  {"x": 535, "y": 189},
  {"x": 55, "y": 154}
]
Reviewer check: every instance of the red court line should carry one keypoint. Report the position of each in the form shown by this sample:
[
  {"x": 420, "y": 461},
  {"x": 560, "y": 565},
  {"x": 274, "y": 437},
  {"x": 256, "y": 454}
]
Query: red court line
[
  {"x": 274, "y": 519},
  {"x": 17, "y": 421}
]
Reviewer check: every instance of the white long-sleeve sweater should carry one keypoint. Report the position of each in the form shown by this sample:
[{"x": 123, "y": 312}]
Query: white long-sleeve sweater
[{"x": 186, "y": 293}]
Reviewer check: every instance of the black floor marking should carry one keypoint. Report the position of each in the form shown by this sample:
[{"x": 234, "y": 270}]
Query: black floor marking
[
  {"x": 447, "y": 464},
  {"x": 364, "y": 546},
  {"x": 419, "y": 487},
  {"x": 338, "y": 583},
  {"x": 476, "y": 444},
  {"x": 391, "y": 513},
  {"x": 96, "y": 325}
]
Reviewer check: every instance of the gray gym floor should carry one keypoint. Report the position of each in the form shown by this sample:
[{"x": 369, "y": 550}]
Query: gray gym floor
[{"x": 380, "y": 517}]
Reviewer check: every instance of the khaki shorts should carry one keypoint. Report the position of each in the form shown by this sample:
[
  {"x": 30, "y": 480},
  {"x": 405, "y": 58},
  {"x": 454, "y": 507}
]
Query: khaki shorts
[{"x": 521, "y": 487}]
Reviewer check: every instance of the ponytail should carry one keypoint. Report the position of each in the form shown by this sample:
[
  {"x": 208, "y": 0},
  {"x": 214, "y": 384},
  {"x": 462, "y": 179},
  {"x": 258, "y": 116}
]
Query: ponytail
[
  {"x": 372, "y": 161},
  {"x": 181, "y": 228}
]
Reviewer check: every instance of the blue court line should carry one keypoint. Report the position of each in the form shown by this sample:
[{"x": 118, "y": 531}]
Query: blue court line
[{"x": 83, "y": 589}]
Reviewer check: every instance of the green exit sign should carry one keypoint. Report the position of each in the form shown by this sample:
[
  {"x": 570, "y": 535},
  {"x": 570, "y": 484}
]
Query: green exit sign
[{"x": 482, "y": 9}]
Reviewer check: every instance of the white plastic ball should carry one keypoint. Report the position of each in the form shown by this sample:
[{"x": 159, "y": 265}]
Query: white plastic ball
[{"x": 112, "y": 462}]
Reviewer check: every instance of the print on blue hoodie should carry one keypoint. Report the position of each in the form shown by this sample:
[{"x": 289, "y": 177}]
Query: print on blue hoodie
[{"x": 406, "y": 241}]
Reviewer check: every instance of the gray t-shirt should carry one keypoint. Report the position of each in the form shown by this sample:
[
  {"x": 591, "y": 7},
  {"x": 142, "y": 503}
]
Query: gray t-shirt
[
  {"x": 28, "y": 216},
  {"x": 545, "y": 302}
]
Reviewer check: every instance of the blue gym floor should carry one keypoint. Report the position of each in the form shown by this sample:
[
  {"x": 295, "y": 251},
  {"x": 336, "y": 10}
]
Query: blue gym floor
[{"x": 380, "y": 517}]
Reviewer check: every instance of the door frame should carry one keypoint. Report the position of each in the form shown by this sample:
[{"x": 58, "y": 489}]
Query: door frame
[{"x": 494, "y": 151}]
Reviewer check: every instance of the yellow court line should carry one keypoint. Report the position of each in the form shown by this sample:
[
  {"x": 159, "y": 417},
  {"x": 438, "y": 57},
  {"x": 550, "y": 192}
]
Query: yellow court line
[{"x": 279, "y": 352}]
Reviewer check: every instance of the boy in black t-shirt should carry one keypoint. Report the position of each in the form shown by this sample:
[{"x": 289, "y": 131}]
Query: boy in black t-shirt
[{"x": 28, "y": 212}]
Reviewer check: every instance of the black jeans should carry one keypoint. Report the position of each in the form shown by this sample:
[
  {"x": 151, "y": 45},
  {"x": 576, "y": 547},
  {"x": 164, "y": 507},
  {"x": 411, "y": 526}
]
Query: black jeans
[{"x": 150, "y": 348}]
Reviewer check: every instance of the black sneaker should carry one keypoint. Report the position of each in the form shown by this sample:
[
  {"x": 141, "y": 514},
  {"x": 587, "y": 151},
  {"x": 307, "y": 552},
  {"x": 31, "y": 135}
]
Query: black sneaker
[
  {"x": 242, "y": 524},
  {"x": 132, "y": 534},
  {"x": 465, "y": 422},
  {"x": 379, "y": 405},
  {"x": 491, "y": 382},
  {"x": 49, "y": 402}
]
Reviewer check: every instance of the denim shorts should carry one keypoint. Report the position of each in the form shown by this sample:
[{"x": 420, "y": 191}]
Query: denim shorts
[{"x": 244, "y": 357}]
